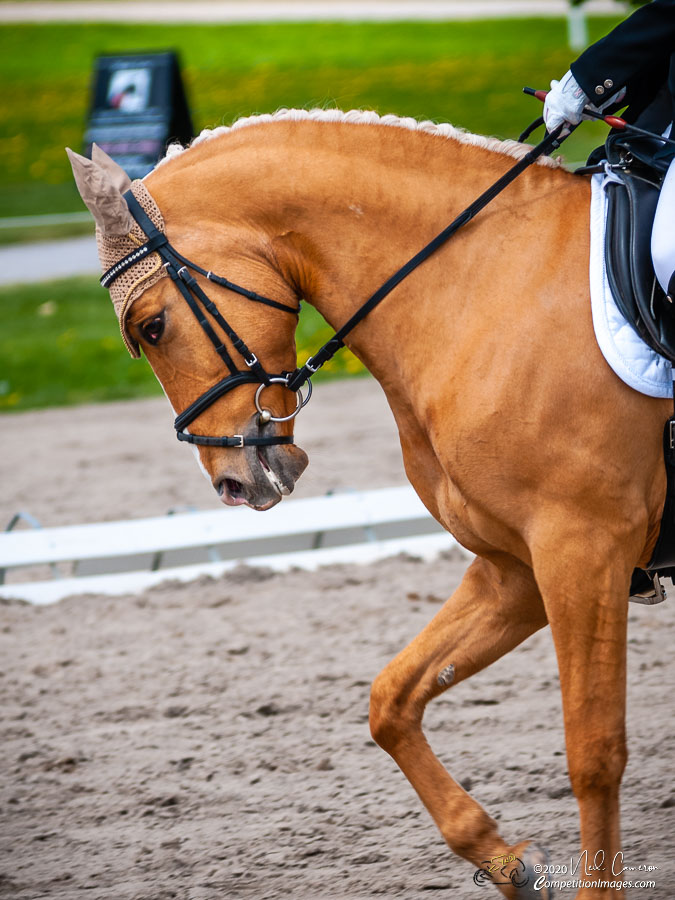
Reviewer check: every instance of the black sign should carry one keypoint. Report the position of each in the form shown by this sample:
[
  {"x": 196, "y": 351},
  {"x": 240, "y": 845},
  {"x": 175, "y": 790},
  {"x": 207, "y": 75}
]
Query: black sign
[{"x": 138, "y": 107}]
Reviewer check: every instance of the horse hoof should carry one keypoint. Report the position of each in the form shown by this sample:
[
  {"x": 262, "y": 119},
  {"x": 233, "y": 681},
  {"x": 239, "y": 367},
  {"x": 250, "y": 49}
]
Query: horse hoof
[{"x": 533, "y": 856}]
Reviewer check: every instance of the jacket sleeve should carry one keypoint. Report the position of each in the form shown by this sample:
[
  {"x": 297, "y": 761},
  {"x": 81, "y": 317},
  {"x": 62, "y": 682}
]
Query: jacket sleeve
[{"x": 645, "y": 39}]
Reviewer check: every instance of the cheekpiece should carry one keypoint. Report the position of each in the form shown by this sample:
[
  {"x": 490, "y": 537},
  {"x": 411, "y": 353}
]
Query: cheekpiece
[{"x": 130, "y": 284}]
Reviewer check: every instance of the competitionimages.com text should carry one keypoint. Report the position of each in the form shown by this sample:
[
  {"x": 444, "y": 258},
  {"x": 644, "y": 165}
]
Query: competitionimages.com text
[{"x": 544, "y": 882}]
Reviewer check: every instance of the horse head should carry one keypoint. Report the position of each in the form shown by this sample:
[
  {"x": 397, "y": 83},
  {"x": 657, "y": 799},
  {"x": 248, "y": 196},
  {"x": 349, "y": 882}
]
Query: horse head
[{"x": 186, "y": 345}]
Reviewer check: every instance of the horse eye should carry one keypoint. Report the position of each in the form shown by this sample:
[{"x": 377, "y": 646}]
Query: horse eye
[{"x": 152, "y": 329}]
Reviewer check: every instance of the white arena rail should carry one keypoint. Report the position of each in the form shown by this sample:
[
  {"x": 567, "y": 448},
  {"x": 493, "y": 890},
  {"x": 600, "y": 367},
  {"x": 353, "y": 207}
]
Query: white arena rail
[{"x": 358, "y": 527}]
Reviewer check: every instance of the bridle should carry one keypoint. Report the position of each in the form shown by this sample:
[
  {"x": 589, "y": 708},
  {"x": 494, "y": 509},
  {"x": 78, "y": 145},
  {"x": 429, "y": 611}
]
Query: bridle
[{"x": 178, "y": 268}]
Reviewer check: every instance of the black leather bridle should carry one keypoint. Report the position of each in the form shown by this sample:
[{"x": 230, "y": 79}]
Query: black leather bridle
[{"x": 177, "y": 267}]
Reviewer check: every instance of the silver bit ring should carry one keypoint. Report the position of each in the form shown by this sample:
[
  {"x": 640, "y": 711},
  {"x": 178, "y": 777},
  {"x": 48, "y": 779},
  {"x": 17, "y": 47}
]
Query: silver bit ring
[{"x": 299, "y": 399}]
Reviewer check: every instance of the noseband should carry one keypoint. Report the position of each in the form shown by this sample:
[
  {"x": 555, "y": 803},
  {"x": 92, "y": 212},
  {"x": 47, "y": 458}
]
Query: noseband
[{"x": 177, "y": 266}]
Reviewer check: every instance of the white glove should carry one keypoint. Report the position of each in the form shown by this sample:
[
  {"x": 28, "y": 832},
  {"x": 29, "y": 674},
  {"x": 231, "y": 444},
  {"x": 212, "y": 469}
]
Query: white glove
[{"x": 564, "y": 104}]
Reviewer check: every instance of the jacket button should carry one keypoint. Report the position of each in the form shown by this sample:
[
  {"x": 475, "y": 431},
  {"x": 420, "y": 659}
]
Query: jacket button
[
  {"x": 599, "y": 89},
  {"x": 609, "y": 83}
]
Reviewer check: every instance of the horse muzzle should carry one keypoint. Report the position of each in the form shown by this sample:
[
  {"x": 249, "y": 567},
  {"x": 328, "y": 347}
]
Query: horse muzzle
[{"x": 260, "y": 476}]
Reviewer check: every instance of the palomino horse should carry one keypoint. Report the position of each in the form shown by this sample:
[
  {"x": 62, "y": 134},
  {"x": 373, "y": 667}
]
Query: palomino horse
[{"x": 515, "y": 433}]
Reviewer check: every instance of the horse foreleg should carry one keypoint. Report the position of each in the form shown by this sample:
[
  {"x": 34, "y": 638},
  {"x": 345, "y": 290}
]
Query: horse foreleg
[
  {"x": 587, "y": 607},
  {"x": 496, "y": 606}
]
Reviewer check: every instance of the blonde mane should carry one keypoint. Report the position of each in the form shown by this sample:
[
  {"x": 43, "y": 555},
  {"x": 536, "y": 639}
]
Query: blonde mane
[{"x": 365, "y": 117}]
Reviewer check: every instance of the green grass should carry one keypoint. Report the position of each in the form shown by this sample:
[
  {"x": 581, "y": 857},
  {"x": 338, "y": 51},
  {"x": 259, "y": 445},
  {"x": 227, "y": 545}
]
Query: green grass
[
  {"x": 60, "y": 345},
  {"x": 26, "y": 234},
  {"x": 468, "y": 73},
  {"x": 59, "y": 342}
]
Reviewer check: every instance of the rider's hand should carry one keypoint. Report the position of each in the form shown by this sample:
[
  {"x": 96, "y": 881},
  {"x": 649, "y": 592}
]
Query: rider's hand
[{"x": 564, "y": 104}]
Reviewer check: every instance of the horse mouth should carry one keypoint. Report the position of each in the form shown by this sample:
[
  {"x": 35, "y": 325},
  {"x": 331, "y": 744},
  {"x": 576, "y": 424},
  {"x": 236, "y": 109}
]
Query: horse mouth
[
  {"x": 232, "y": 492},
  {"x": 281, "y": 487},
  {"x": 272, "y": 473},
  {"x": 236, "y": 493}
]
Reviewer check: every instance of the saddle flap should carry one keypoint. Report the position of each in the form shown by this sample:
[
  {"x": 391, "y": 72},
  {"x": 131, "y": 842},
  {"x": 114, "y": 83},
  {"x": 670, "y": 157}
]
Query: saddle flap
[
  {"x": 632, "y": 199},
  {"x": 643, "y": 197},
  {"x": 655, "y": 309},
  {"x": 617, "y": 255}
]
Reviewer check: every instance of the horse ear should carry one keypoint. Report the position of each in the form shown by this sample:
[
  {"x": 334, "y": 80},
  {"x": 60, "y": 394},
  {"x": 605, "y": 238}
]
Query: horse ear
[
  {"x": 116, "y": 173},
  {"x": 101, "y": 195}
]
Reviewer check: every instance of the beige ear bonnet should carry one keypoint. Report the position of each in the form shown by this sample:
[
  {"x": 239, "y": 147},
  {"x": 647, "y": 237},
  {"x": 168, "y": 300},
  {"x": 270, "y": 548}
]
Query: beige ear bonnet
[{"x": 128, "y": 286}]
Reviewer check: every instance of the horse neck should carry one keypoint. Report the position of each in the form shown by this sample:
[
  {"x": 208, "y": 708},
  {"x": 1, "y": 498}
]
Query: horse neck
[{"x": 338, "y": 208}]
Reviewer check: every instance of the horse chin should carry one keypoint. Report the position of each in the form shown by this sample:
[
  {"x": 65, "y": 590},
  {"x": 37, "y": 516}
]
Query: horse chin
[{"x": 272, "y": 473}]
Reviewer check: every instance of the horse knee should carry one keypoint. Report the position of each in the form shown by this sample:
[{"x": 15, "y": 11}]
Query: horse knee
[
  {"x": 392, "y": 712},
  {"x": 598, "y": 769}
]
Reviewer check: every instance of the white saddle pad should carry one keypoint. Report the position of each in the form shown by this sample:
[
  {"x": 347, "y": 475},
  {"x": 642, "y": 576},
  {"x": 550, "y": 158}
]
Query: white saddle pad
[{"x": 627, "y": 354}]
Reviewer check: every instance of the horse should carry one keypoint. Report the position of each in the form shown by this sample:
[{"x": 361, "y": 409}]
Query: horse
[{"x": 516, "y": 434}]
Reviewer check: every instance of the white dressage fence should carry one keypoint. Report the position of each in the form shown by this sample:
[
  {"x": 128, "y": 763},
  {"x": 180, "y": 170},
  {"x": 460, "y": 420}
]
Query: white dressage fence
[{"x": 354, "y": 527}]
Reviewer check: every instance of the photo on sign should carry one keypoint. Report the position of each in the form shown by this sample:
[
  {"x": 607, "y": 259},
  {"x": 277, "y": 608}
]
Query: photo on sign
[{"x": 129, "y": 90}]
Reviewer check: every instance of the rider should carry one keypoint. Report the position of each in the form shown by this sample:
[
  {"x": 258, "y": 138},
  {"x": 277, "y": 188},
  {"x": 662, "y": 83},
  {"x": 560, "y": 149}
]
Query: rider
[{"x": 634, "y": 64}]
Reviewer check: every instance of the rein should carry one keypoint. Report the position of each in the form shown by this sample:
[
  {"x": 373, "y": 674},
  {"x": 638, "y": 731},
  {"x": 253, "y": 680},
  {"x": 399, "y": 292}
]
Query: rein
[
  {"x": 178, "y": 266},
  {"x": 331, "y": 347}
]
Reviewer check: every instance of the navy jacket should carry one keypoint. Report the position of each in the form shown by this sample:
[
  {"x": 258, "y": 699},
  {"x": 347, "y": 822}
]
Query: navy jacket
[{"x": 639, "y": 54}]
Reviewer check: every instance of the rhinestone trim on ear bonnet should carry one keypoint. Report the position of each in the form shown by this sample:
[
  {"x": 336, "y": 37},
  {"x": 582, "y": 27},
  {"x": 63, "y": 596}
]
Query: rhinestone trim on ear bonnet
[{"x": 129, "y": 286}]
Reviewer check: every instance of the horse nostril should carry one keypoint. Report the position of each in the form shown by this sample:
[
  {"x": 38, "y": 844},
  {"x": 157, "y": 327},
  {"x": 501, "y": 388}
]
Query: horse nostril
[{"x": 234, "y": 488}]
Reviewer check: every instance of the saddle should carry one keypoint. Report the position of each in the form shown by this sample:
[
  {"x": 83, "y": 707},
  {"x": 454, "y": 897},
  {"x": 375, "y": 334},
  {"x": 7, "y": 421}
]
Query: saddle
[{"x": 638, "y": 165}]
